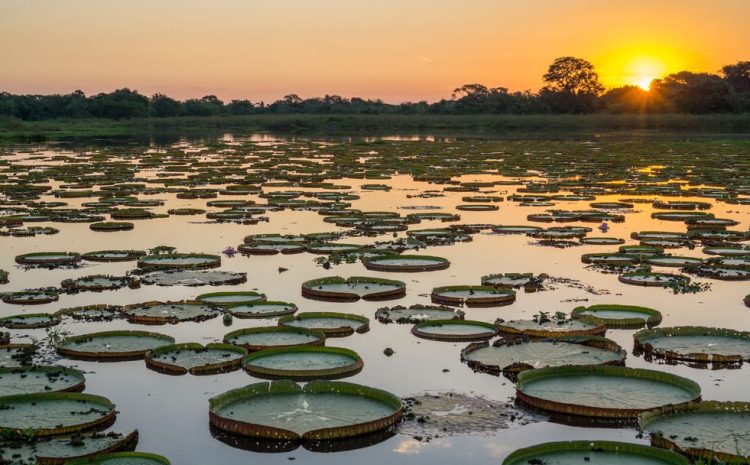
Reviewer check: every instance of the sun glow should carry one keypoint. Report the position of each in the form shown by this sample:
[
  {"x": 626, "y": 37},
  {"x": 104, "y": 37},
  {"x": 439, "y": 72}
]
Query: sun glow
[
  {"x": 642, "y": 70},
  {"x": 645, "y": 82},
  {"x": 639, "y": 64}
]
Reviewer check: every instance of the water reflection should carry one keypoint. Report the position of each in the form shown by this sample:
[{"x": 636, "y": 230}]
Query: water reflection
[{"x": 172, "y": 412}]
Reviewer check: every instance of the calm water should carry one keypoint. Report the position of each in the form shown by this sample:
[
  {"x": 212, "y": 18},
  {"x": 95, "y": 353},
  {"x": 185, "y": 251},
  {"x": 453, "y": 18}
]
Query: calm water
[{"x": 171, "y": 413}]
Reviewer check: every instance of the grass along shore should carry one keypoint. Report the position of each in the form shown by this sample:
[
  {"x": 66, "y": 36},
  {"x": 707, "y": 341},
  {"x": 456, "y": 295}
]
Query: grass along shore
[{"x": 13, "y": 130}]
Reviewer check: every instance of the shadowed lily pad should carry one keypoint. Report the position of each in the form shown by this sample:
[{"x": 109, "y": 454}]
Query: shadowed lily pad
[
  {"x": 50, "y": 414},
  {"x": 594, "y": 453},
  {"x": 112, "y": 345},
  {"x": 618, "y": 316},
  {"x": 605, "y": 392},
  {"x": 454, "y": 330},
  {"x": 195, "y": 359},
  {"x": 352, "y": 289},
  {"x": 697, "y": 344},
  {"x": 510, "y": 356},
  {"x": 274, "y": 336},
  {"x": 193, "y": 278},
  {"x": 32, "y": 379},
  {"x": 416, "y": 313},
  {"x": 303, "y": 363},
  {"x": 706, "y": 430},
  {"x": 332, "y": 324}
]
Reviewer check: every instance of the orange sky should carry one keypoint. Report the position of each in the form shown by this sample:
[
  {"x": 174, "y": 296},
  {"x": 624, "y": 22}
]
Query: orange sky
[{"x": 393, "y": 49}]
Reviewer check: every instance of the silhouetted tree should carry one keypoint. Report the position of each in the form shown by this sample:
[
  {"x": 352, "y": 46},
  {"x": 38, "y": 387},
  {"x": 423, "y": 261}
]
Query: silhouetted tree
[
  {"x": 737, "y": 76},
  {"x": 122, "y": 103},
  {"x": 240, "y": 107},
  {"x": 163, "y": 106},
  {"x": 626, "y": 99},
  {"x": 572, "y": 86},
  {"x": 687, "y": 92},
  {"x": 209, "y": 105}
]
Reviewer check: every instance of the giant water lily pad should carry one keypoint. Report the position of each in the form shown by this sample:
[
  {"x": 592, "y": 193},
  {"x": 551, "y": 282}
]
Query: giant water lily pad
[
  {"x": 602, "y": 241},
  {"x": 180, "y": 261},
  {"x": 733, "y": 251},
  {"x": 159, "y": 313},
  {"x": 45, "y": 414},
  {"x": 618, "y": 316},
  {"x": 100, "y": 312},
  {"x": 112, "y": 345},
  {"x": 610, "y": 259},
  {"x": 605, "y": 392},
  {"x": 267, "y": 309},
  {"x": 320, "y": 410},
  {"x": 29, "y": 321},
  {"x": 672, "y": 260},
  {"x": 271, "y": 248},
  {"x": 712, "y": 431},
  {"x": 97, "y": 283},
  {"x": 48, "y": 259},
  {"x": 231, "y": 298},
  {"x": 513, "y": 356},
  {"x": 193, "y": 278},
  {"x": 332, "y": 324},
  {"x": 454, "y": 330},
  {"x": 274, "y": 336},
  {"x": 64, "y": 449},
  {"x": 551, "y": 327},
  {"x": 31, "y": 297},
  {"x": 32, "y": 379},
  {"x": 516, "y": 229},
  {"x": 195, "y": 359},
  {"x": 473, "y": 296},
  {"x": 594, "y": 453},
  {"x": 113, "y": 255},
  {"x": 405, "y": 263},
  {"x": 725, "y": 273},
  {"x": 641, "y": 278},
  {"x": 303, "y": 363},
  {"x": 416, "y": 313},
  {"x": 512, "y": 280},
  {"x": 124, "y": 458},
  {"x": 352, "y": 289},
  {"x": 695, "y": 344}
]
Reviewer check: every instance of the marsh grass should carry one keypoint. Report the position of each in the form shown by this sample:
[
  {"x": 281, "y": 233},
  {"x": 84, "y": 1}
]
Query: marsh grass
[{"x": 449, "y": 125}]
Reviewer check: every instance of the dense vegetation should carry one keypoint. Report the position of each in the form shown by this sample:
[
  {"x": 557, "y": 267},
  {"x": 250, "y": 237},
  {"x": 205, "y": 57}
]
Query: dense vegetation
[{"x": 571, "y": 86}]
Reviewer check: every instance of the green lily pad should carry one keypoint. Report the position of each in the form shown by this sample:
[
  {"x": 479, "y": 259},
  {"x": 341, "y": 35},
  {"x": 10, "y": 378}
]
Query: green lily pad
[
  {"x": 50, "y": 414},
  {"x": 195, "y": 359},
  {"x": 594, "y": 453},
  {"x": 303, "y": 363},
  {"x": 320, "y": 410},
  {"x": 112, "y": 345},
  {"x": 605, "y": 392},
  {"x": 32, "y": 379},
  {"x": 274, "y": 336},
  {"x": 332, "y": 324},
  {"x": 703, "y": 431}
]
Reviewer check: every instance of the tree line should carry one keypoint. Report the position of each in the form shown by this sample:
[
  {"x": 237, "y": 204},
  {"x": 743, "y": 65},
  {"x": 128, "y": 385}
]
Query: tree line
[{"x": 571, "y": 85}]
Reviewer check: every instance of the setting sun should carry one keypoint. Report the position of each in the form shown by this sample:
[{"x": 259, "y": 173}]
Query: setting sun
[{"x": 641, "y": 71}]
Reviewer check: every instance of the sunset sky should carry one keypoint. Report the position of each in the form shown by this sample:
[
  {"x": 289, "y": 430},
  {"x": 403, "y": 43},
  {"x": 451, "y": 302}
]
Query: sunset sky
[{"x": 397, "y": 50}]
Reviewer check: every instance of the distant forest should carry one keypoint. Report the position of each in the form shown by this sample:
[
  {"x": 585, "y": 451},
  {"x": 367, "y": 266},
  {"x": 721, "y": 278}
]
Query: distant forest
[{"x": 571, "y": 86}]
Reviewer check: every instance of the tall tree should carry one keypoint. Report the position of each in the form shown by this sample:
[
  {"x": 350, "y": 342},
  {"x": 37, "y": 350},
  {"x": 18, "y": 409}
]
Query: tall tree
[
  {"x": 571, "y": 85},
  {"x": 737, "y": 76},
  {"x": 687, "y": 92}
]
